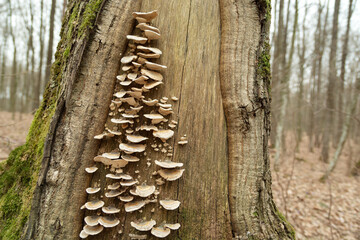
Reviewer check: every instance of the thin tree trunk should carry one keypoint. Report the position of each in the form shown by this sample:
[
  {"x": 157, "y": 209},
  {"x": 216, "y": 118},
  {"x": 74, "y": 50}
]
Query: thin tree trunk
[
  {"x": 63, "y": 9},
  {"x": 330, "y": 98},
  {"x": 50, "y": 43},
  {"x": 13, "y": 78},
  {"x": 3, "y": 72},
  {"x": 345, "y": 130},
  {"x": 284, "y": 93},
  {"x": 342, "y": 72},
  {"x": 37, "y": 84}
]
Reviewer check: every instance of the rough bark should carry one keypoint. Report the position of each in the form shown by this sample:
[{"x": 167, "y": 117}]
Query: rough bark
[
  {"x": 198, "y": 63},
  {"x": 50, "y": 43}
]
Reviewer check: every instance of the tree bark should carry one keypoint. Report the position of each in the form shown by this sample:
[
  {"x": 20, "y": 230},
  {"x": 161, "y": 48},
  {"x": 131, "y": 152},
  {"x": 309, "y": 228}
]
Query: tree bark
[
  {"x": 330, "y": 98},
  {"x": 50, "y": 43},
  {"x": 218, "y": 65}
]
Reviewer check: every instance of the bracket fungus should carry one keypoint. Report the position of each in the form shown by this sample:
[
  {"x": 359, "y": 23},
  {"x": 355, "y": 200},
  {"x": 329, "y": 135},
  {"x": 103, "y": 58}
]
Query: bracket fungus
[
  {"x": 142, "y": 225},
  {"x": 170, "y": 204},
  {"x": 135, "y": 113}
]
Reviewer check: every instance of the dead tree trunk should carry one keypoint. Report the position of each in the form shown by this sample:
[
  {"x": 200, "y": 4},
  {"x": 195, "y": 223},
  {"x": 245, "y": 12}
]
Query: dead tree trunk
[
  {"x": 330, "y": 97},
  {"x": 218, "y": 65}
]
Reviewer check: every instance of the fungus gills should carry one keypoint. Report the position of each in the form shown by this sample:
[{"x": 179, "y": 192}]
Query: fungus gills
[{"x": 130, "y": 118}]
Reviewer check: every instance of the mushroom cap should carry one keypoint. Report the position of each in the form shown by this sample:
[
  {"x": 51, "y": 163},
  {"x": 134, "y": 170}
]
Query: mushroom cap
[
  {"x": 120, "y": 93},
  {"x": 128, "y": 59},
  {"x": 144, "y": 26},
  {"x": 132, "y": 76},
  {"x": 170, "y": 204},
  {"x": 119, "y": 176},
  {"x": 132, "y": 147},
  {"x": 125, "y": 83},
  {"x": 171, "y": 174},
  {"x": 164, "y": 105},
  {"x": 114, "y": 186},
  {"x": 111, "y": 155},
  {"x": 128, "y": 183},
  {"x": 152, "y": 35},
  {"x": 142, "y": 225},
  {"x": 141, "y": 80},
  {"x": 150, "y": 102},
  {"x": 92, "y": 220},
  {"x": 129, "y": 100},
  {"x": 165, "y": 111},
  {"x": 101, "y": 136},
  {"x": 130, "y": 158},
  {"x": 117, "y": 133},
  {"x": 110, "y": 210},
  {"x": 137, "y": 95},
  {"x": 152, "y": 74},
  {"x": 121, "y": 121},
  {"x": 155, "y": 66},
  {"x": 168, "y": 164},
  {"x": 120, "y": 78},
  {"x": 153, "y": 116},
  {"x": 136, "y": 39},
  {"x": 113, "y": 193},
  {"x": 126, "y": 68},
  {"x": 135, "y": 138},
  {"x": 91, "y": 169},
  {"x": 109, "y": 221},
  {"x": 133, "y": 206},
  {"x": 147, "y": 128},
  {"x": 129, "y": 115},
  {"x": 148, "y": 55},
  {"x": 163, "y": 134},
  {"x": 127, "y": 198},
  {"x": 183, "y": 142},
  {"x": 151, "y": 85},
  {"x": 160, "y": 232},
  {"x": 174, "y": 226},
  {"x": 115, "y": 163},
  {"x": 146, "y": 15},
  {"x": 93, "y": 205},
  {"x": 83, "y": 234},
  {"x": 149, "y": 49},
  {"x": 145, "y": 190},
  {"x": 91, "y": 190},
  {"x": 93, "y": 230}
]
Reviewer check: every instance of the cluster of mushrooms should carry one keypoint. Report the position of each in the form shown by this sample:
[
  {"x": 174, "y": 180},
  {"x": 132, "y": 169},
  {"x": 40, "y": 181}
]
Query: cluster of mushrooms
[{"x": 137, "y": 124}]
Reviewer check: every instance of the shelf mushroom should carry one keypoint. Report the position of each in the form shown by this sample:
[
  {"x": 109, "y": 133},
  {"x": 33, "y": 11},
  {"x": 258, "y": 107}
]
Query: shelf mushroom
[
  {"x": 133, "y": 206},
  {"x": 93, "y": 230},
  {"x": 145, "y": 190},
  {"x": 109, "y": 221},
  {"x": 168, "y": 164},
  {"x": 143, "y": 225},
  {"x": 93, "y": 205},
  {"x": 170, "y": 204},
  {"x": 163, "y": 134},
  {"x": 171, "y": 174},
  {"x": 92, "y": 220},
  {"x": 160, "y": 232}
]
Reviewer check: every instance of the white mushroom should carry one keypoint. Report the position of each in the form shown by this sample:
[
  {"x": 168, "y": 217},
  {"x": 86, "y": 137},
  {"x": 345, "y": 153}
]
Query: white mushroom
[
  {"x": 145, "y": 190},
  {"x": 93, "y": 230},
  {"x": 111, "y": 155},
  {"x": 110, "y": 210},
  {"x": 152, "y": 35},
  {"x": 149, "y": 49},
  {"x": 91, "y": 190},
  {"x": 141, "y": 80},
  {"x": 150, "y": 102},
  {"x": 165, "y": 111},
  {"x": 109, "y": 221},
  {"x": 128, "y": 59},
  {"x": 133, "y": 206},
  {"x": 163, "y": 134},
  {"x": 93, "y": 205},
  {"x": 147, "y": 128},
  {"x": 170, "y": 204},
  {"x": 146, "y": 15},
  {"x": 144, "y": 26},
  {"x": 171, "y": 174},
  {"x": 154, "y": 66},
  {"x": 91, "y": 169},
  {"x": 174, "y": 226},
  {"x": 151, "y": 85},
  {"x": 120, "y": 94},
  {"x": 128, "y": 183},
  {"x": 155, "y": 118},
  {"x": 160, "y": 232},
  {"x": 168, "y": 164},
  {"x": 121, "y": 121},
  {"x": 142, "y": 225},
  {"x": 83, "y": 234},
  {"x": 151, "y": 74},
  {"x": 130, "y": 158},
  {"x": 114, "y": 186},
  {"x": 127, "y": 198},
  {"x": 132, "y": 147},
  {"x": 118, "y": 176},
  {"x": 136, "y": 39},
  {"x": 121, "y": 77},
  {"x": 148, "y": 55},
  {"x": 135, "y": 138},
  {"x": 113, "y": 193},
  {"x": 92, "y": 220}
]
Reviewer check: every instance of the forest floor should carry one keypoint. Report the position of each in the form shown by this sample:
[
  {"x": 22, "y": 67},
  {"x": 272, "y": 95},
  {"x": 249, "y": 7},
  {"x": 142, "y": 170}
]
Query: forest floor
[{"x": 318, "y": 211}]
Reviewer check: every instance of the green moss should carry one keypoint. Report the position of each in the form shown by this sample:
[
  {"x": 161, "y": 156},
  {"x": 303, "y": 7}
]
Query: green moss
[
  {"x": 264, "y": 69},
  {"x": 288, "y": 227},
  {"x": 19, "y": 174}
]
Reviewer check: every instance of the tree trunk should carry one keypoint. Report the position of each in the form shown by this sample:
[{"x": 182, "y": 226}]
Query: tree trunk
[
  {"x": 345, "y": 130},
  {"x": 330, "y": 97},
  {"x": 218, "y": 65},
  {"x": 50, "y": 43},
  {"x": 342, "y": 72}
]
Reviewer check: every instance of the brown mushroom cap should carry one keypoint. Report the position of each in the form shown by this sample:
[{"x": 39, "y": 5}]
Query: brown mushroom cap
[
  {"x": 133, "y": 206},
  {"x": 132, "y": 76},
  {"x": 110, "y": 210},
  {"x": 114, "y": 186},
  {"x": 151, "y": 85},
  {"x": 146, "y": 15},
  {"x": 160, "y": 232},
  {"x": 152, "y": 74},
  {"x": 165, "y": 111},
  {"x": 111, "y": 155},
  {"x": 93, "y": 230},
  {"x": 83, "y": 234},
  {"x": 92, "y": 220},
  {"x": 147, "y": 128},
  {"x": 132, "y": 147},
  {"x": 168, "y": 164},
  {"x": 171, "y": 174},
  {"x": 149, "y": 49},
  {"x": 127, "y": 198},
  {"x": 91, "y": 190},
  {"x": 174, "y": 226},
  {"x": 150, "y": 102},
  {"x": 141, "y": 80},
  {"x": 113, "y": 193},
  {"x": 144, "y": 26},
  {"x": 93, "y": 205},
  {"x": 155, "y": 66},
  {"x": 109, "y": 221},
  {"x": 130, "y": 158},
  {"x": 145, "y": 190},
  {"x": 148, "y": 55},
  {"x": 163, "y": 134},
  {"x": 152, "y": 35},
  {"x": 142, "y": 225},
  {"x": 136, "y": 39},
  {"x": 170, "y": 204},
  {"x": 118, "y": 176}
]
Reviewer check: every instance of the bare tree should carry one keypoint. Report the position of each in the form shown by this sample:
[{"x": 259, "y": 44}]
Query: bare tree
[
  {"x": 50, "y": 42},
  {"x": 13, "y": 79}
]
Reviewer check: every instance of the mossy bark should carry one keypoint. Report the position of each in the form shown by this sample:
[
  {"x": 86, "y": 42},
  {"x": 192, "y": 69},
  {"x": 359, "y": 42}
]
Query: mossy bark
[{"x": 83, "y": 78}]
